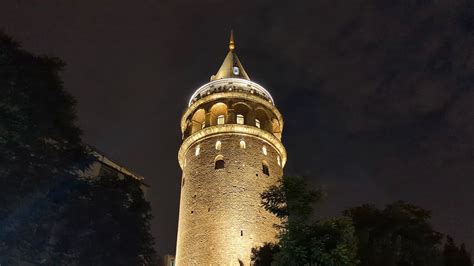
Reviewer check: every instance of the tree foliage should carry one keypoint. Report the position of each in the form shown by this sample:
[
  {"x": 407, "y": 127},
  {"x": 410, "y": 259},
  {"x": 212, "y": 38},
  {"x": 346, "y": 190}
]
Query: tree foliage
[
  {"x": 455, "y": 256},
  {"x": 325, "y": 242},
  {"x": 400, "y": 234},
  {"x": 264, "y": 255},
  {"x": 303, "y": 240},
  {"x": 105, "y": 221},
  {"x": 291, "y": 198},
  {"x": 40, "y": 149},
  {"x": 49, "y": 214},
  {"x": 39, "y": 140}
]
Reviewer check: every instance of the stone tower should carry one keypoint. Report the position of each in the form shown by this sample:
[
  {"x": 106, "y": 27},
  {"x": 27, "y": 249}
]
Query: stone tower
[{"x": 231, "y": 152}]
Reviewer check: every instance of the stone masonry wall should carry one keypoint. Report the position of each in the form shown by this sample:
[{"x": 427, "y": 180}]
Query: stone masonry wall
[{"x": 221, "y": 218}]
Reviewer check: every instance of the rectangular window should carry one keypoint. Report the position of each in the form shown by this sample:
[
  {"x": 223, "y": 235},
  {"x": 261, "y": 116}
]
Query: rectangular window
[
  {"x": 220, "y": 120},
  {"x": 197, "y": 150},
  {"x": 240, "y": 119},
  {"x": 265, "y": 169}
]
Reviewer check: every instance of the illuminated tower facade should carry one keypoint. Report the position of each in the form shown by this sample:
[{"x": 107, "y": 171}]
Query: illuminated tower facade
[{"x": 231, "y": 153}]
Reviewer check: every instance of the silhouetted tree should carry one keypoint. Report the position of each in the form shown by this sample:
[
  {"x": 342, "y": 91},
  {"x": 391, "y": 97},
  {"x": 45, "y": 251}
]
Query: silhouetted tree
[
  {"x": 464, "y": 256},
  {"x": 400, "y": 234},
  {"x": 302, "y": 240},
  {"x": 454, "y": 256},
  {"x": 450, "y": 252},
  {"x": 48, "y": 214},
  {"x": 263, "y": 256},
  {"x": 105, "y": 221},
  {"x": 40, "y": 148}
]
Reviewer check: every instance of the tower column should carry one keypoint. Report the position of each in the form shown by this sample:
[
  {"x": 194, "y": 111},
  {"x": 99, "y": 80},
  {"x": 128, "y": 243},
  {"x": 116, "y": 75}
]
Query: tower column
[
  {"x": 231, "y": 116},
  {"x": 226, "y": 167}
]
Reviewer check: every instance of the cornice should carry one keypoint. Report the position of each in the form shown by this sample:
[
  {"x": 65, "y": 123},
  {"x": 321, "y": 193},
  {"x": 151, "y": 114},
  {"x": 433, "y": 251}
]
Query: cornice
[{"x": 226, "y": 129}]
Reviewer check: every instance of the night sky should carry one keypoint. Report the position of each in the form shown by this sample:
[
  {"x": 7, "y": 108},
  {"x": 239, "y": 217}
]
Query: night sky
[{"x": 377, "y": 96}]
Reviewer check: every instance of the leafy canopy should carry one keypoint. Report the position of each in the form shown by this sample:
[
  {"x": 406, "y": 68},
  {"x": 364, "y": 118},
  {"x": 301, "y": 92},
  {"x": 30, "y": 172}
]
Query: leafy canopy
[
  {"x": 49, "y": 215},
  {"x": 400, "y": 234},
  {"x": 303, "y": 240}
]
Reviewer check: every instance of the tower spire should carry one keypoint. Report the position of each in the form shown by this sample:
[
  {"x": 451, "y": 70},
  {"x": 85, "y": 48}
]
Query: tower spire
[
  {"x": 231, "y": 67},
  {"x": 231, "y": 42}
]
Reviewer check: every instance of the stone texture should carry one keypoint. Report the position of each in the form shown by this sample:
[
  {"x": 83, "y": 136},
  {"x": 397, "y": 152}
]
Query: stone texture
[{"x": 221, "y": 218}]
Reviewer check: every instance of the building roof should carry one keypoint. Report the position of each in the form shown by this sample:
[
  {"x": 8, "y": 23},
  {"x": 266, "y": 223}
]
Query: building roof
[
  {"x": 231, "y": 67},
  {"x": 102, "y": 158}
]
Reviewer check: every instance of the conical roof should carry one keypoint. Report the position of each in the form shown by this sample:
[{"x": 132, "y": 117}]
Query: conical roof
[{"x": 231, "y": 67}]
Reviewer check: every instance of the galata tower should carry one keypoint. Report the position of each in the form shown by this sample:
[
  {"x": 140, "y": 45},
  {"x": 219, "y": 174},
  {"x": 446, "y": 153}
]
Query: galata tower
[{"x": 231, "y": 153}]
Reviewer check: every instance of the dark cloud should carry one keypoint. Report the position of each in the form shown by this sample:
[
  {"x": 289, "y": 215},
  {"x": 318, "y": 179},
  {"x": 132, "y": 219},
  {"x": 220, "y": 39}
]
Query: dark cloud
[{"x": 377, "y": 95}]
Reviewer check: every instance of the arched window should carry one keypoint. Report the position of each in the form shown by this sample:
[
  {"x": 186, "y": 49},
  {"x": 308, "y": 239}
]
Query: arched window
[
  {"x": 264, "y": 150},
  {"x": 203, "y": 124},
  {"x": 240, "y": 119},
  {"x": 219, "y": 162},
  {"x": 265, "y": 168},
  {"x": 198, "y": 150},
  {"x": 242, "y": 111},
  {"x": 242, "y": 144},
  {"x": 217, "y": 114},
  {"x": 198, "y": 120},
  {"x": 262, "y": 119},
  {"x": 218, "y": 145},
  {"x": 257, "y": 123},
  {"x": 278, "y": 160},
  {"x": 220, "y": 119}
]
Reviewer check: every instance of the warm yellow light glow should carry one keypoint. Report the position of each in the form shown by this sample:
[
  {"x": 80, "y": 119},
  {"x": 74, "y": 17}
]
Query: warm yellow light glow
[
  {"x": 242, "y": 144},
  {"x": 234, "y": 129},
  {"x": 246, "y": 85},
  {"x": 223, "y": 96},
  {"x": 198, "y": 149},
  {"x": 220, "y": 218},
  {"x": 240, "y": 119},
  {"x": 220, "y": 120}
]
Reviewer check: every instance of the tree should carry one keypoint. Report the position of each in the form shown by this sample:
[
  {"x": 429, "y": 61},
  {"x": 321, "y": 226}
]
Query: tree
[
  {"x": 40, "y": 148},
  {"x": 105, "y": 221},
  {"x": 464, "y": 256},
  {"x": 454, "y": 256},
  {"x": 303, "y": 240},
  {"x": 263, "y": 255},
  {"x": 400, "y": 234},
  {"x": 49, "y": 214},
  {"x": 39, "y": 140},
  {"x": 450, "y": 252}
]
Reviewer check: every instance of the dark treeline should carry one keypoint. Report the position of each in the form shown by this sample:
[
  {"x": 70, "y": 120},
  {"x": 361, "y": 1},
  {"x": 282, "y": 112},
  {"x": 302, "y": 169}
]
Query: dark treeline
[
  {"x": 50, "y": 213},
  {"x": 398, "y": 235}
]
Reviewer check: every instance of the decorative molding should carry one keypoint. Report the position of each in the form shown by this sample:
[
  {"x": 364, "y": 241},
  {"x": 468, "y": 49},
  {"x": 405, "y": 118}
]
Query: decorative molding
[
  {"x": 246, "y": 84},
  {"x": 229, "y": 95},
  {"x": 227, "y": 129}
]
